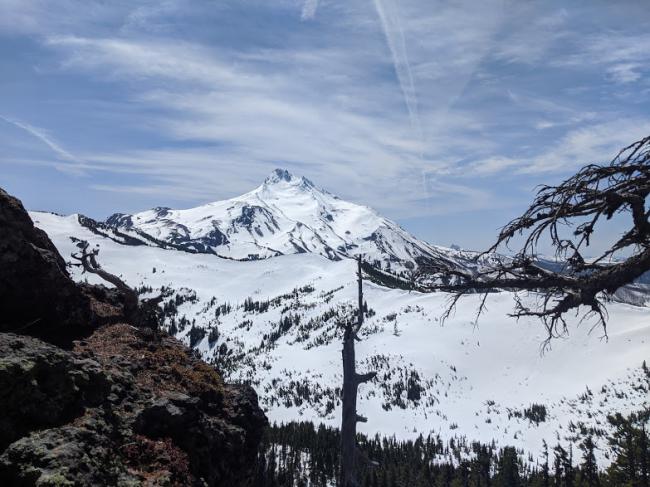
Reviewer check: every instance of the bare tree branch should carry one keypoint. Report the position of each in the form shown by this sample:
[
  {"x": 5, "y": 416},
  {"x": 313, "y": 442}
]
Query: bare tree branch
[
  {"x": 141, "y": 313},
  {"x": 568, "y": 215}
]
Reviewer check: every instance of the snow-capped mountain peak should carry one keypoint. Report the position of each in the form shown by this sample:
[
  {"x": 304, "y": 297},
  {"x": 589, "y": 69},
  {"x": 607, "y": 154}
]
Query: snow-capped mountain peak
[
  {"x": 281, "y": 184},
  {"x": 282, "y": 177},
  {"x": 286, "y": 214}
]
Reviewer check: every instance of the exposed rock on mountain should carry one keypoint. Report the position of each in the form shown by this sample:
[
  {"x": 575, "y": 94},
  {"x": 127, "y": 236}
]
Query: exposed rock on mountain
[{"x": 286, "y": 214}]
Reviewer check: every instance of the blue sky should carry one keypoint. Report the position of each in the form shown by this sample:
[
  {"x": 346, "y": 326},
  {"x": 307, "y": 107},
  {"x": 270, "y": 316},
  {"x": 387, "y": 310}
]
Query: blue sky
[{"x": 443, "y": 115}]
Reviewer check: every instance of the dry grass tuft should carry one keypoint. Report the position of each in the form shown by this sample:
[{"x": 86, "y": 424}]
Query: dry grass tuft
[{"x": 157, "y": 462}]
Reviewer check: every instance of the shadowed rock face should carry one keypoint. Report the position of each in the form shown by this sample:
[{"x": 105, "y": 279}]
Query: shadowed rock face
[
  {"x": 121, "y": 409},
  {"x": 37, "y": 296},
  {"x": 43, "y": 386},
  {"x": 120, "y": 406}
]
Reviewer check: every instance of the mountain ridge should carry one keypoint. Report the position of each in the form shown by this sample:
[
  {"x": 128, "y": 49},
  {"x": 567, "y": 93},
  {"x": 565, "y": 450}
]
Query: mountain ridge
[{"x": 286, "y": 214}]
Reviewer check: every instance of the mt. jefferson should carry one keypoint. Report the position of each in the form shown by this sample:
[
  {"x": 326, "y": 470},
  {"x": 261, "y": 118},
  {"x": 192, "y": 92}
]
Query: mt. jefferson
[{"x": 285, "y": 215}]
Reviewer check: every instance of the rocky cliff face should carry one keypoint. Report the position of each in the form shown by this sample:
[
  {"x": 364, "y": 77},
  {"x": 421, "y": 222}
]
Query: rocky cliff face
[
  {"x": 38, "y": 296},
  {"x": 121, "y": 410},
  {"x": 120, "y": 405}
]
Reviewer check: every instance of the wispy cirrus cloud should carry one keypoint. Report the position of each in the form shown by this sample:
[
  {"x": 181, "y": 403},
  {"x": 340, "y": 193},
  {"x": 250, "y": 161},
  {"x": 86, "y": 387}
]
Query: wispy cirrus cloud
[
  {"x": 309, "y": 9},
  {"x": 48, "y": 140},
  {"x": 418, "y": 106},
  {"x": 248, "y": 103},
  {"x": 247, "y": 110},
  {"x": 596, "y": 143},
  {"x": 621, "y": 56}
]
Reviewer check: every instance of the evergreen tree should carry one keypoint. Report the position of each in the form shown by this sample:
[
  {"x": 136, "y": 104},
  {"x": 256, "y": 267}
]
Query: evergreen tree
[
  {"x": 561, "y": 459},
  {"x": 508, "y": 469},
  {"x": 545, "y": 468},
  {"x": 629, "y": 442},
  {"x": 588, "y": 467},
  {"x": 299, "y": 454}
]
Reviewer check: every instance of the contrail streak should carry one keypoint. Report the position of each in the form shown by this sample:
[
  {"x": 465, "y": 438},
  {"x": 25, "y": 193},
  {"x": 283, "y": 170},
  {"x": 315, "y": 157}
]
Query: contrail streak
[
  {"x": 392, "y": 27},
  {"x": 46, "y": 139}
]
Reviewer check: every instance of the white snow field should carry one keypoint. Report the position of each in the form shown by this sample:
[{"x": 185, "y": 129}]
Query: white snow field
[{"x": 454, "y": 379}]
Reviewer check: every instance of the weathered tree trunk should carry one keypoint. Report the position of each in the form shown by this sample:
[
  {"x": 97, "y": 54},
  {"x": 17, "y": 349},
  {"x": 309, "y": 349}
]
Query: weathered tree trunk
[
  {"x": 143, "y": 314},
  {"x": 351, "y": 381},
  {"x": 349, "y": 420}
]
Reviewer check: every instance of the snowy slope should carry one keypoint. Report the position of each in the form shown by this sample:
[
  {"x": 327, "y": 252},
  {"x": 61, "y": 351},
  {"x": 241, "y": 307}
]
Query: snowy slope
[
  {"x": 286, "y": 215},
  {"x": 456, "y": 379}
]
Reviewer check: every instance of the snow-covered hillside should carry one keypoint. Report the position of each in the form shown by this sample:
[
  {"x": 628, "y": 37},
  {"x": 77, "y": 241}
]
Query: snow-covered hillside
[
  {"x": 283, "y": 216},
  {"x": 273, "y": 322}
]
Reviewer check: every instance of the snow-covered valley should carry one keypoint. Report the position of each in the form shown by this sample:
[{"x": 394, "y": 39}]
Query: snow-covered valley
[{"x": 273, "y": 322}]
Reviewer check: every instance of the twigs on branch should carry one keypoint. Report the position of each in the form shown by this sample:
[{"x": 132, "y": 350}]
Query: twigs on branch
[{"x": 567, "y": 216}]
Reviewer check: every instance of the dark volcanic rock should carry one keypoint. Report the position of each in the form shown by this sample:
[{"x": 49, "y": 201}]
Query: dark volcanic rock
[
  {"x": 37, "y": 296},
  {"x": 122, "y": 409},
  {"x": 205, "y": 437},
  {"x": 70, "y": 456},
  {"x": 42, "y": 386}
]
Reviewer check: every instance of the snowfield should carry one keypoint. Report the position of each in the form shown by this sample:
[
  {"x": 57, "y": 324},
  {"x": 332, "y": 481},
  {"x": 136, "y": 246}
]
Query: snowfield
[{"x": 273, "y": 322}]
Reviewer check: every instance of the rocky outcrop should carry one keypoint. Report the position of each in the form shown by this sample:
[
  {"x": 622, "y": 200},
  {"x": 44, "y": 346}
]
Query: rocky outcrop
[
  {"x": 37, "y": 295},
  {"x": 118, "y": 405},
  {"x": 43, "y": 386},
  {"x": 122, "y": 408}
]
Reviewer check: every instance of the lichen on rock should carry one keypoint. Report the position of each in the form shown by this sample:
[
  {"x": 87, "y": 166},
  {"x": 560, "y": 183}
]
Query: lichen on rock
[{"x": 120, "y": 409}]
